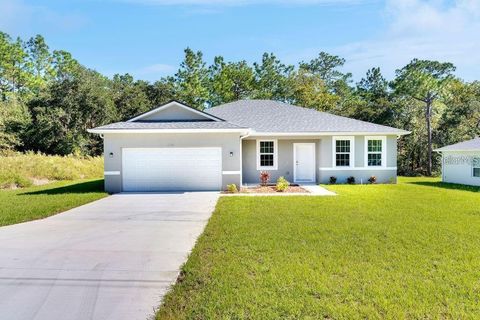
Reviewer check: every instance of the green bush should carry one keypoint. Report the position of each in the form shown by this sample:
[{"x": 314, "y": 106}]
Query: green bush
[
  {"x": 232, "y": 188},
  {"x": 22, "y": 169},
  {"x": 351, "y": 180},
  {"x": 282, "y": 184}
]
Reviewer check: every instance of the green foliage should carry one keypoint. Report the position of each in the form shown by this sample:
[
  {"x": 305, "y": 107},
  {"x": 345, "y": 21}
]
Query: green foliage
[
  {"x": 272, "y": 78},
  {"x": 351, "y": 180},
  {"x": 192, "y": 80},
  {"x": 333, "y": 180},
  {"x": 48, "y": 99},
  {"x": 282, "y": 184},
  {"x": 232, "y": 188},
  {"x": 21, "y": 169},
  {"x": 404, "y": 251}
]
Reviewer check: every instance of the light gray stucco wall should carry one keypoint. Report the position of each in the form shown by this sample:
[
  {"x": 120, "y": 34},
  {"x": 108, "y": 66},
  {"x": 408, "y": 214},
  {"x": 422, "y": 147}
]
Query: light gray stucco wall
[
  {"x": 323, "y": 158},
  {"x": 114, "y": 142},
  {"x": 285, "y": 159},
  {"x": 174, "y": 112},
  {"x": 461, "y": 169}
]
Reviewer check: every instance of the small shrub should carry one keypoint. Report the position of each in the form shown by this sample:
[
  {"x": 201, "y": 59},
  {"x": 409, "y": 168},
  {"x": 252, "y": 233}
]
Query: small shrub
[
  {"x": 264, "y": 178},
  {"x": 232, "y": 188},
  {"x": 282, "y": 184},
  {"x": 372, "y": 179},
  {"x": 333, "y": 180},
  {"x": 351, "y": 180}
]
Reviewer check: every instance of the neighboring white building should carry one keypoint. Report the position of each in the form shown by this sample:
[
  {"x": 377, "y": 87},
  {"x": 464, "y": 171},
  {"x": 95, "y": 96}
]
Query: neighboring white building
[{"x": 461, "y": 162}]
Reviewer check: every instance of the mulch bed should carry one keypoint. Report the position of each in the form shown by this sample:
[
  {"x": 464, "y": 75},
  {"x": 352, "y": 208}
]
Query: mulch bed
[{"x": 272, "y": 189}]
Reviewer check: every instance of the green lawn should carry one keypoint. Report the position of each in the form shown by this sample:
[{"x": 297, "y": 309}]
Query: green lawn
[
  {"x": 39, "y": 202},
  {"x": 410, "y": 250}
]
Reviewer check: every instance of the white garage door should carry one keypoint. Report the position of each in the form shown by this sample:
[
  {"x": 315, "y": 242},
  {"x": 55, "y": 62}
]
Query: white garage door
[{"x": 171, "y": 169}]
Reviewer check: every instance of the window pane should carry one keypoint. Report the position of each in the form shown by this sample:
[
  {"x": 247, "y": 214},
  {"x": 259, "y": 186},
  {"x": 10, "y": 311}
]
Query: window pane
[
  {"x": 342, "y": 145},
  {"x": 266, "y": 146},
  {"x": 343, "y": 160},
  {"x": 476, "y": 172},
  {"x": 266, "y": 160},
  {"x": 374, "y": 145},
  {"x": 374, "y": 159}
]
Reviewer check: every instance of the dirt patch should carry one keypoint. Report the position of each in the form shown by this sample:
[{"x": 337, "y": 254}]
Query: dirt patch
[{"x": 40, "y": 181}]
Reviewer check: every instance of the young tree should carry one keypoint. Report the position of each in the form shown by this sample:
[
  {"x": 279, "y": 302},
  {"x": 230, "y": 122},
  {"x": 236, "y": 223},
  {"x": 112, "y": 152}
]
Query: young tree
[{"x": 425, "y": 81}]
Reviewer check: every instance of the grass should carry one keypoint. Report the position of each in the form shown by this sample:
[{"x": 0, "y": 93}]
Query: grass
[
  {"x": 25, "y": 169},
  {"x": 42, "y": 201},
  {"x": 410, "y": 250}
]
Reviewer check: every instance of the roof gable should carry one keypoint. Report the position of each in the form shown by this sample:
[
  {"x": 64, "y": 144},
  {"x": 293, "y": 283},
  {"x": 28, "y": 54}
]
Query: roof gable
[{"x": 174, "y": 111}]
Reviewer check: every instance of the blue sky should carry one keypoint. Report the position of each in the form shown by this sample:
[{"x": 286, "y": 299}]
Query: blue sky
[{"x": 146, "y": 37}]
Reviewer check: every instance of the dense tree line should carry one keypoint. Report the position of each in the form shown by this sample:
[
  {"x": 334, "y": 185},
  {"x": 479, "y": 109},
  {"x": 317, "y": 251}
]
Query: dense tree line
[{"x": 48, "y": 99}]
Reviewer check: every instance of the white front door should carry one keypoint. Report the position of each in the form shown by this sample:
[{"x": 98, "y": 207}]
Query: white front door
[{"x": 304, "y": 162}]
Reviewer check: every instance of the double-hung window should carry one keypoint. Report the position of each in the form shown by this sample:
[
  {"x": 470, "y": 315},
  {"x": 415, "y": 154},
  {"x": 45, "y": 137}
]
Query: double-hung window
[
  {"x": 266, "y": 154},
  {"x": 476, "y": 167},
  {"x": 375, "y": 151},
  {"x": 343, "y": 151}
]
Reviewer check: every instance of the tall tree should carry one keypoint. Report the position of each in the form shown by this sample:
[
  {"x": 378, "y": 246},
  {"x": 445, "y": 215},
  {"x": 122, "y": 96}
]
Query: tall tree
[
  {"x": 230, "y": 81},
  {"x": 375, "y": 103},
  {"x": 192, "y": 80},
  {"x": 40, "y": 62},
  {"x": 326, "y": 66},
  {"x": 272, "y": 78},
  {"x": 425, "y": 81},
  {"x": 130, "y": 97},
  {"x": 311, "y": 91},
  {"x": 14, "y": 76}
]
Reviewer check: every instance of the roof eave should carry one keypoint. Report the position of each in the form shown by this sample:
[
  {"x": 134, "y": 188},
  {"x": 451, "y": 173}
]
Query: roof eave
[
  {"x": 232, "y": 130},
  {"x": 329, "y": 133}
]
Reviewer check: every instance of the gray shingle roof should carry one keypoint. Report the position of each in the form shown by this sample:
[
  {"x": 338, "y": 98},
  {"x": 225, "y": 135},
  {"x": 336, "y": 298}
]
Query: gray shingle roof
[
  {"x": 470, "y": 145},
  {"x": 170, "y": 125},
  {"x": 273, "y": 116}
]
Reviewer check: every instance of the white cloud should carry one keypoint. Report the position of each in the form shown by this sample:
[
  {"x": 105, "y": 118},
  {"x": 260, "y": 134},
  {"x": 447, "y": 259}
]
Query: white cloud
[{"x": 434, "y": 30}]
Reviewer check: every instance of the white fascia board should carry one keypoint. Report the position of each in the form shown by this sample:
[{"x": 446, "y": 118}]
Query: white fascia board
[
  {"x": 170, "y": 104},
  {"x": 103, "y": 131},
  {"x": 332, "y": 133},
  {"x": 457, "y": 150}
]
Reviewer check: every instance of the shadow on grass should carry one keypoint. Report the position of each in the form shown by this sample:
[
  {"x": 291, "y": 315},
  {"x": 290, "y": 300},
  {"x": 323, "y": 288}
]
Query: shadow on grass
[
  {"x": 82, "y": 187},
  {"x": 444, "y": 185}
]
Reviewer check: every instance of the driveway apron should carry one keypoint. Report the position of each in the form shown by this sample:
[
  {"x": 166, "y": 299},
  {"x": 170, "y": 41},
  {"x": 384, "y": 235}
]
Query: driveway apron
[{"x": 111, "y": 259}]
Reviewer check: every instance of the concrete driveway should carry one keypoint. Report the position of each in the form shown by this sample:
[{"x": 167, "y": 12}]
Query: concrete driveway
[{"x": 111, "y": 259}]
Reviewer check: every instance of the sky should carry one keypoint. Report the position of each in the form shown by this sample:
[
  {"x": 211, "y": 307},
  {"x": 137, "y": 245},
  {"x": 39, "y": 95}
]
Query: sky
[{"x": 146, "y": 38}]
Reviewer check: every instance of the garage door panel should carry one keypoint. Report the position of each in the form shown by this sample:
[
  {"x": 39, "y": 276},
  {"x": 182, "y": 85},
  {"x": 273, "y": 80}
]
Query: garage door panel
[{"x": 170, "y": 169}]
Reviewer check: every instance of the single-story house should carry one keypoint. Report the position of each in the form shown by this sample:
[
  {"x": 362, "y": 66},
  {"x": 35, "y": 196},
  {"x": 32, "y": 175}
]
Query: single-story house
[
  {"x": 461, "y": 162},
  {"x": 176, "y": 147}
]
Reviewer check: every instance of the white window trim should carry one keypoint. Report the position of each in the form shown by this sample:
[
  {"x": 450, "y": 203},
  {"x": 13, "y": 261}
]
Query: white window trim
[
  {"x": 275, "y": 154},
  {"x": 352, "y": 151},
  {"x": 475, "y": 166},
  {"x": 384, "y": 150}
]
